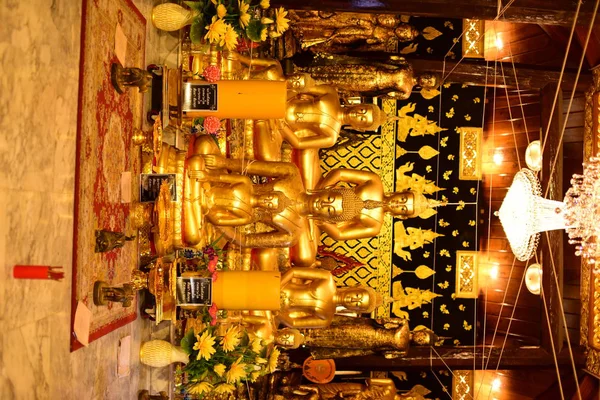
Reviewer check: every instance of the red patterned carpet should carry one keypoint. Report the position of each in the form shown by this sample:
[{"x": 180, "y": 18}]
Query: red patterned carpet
[{"x": 105, "y": 125}]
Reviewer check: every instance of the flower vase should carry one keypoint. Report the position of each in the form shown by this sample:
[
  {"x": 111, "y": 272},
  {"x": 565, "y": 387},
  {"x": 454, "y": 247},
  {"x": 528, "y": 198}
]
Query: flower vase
[
  {"x": 160, "y": 353},
  {"x": 172, "y": 17}
]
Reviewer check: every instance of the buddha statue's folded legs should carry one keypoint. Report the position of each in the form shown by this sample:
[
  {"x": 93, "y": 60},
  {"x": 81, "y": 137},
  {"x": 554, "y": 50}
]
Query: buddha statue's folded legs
[{"x": 193, "y": 191}]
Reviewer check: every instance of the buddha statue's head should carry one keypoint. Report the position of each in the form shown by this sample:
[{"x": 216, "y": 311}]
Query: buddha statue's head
[
  {"x": 424, "y": 337},
  {"x": 361, "y": 299},
  {"x": 270, "y": 201},
  {"x": 334, "y": 205},
  {"x": 428, "y": 80},
  {"x": 406, "y": 33},
  {"x": 364, "y": 117},
  {"x": 289, "y": 338}
]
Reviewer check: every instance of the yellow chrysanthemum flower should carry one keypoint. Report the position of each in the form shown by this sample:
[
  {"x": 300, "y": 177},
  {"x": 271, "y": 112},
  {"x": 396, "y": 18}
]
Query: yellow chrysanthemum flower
[
  {"x": 260, "y": 360},
  {"x": 266, "y": 21},
  {"x": 215, "y": 30},
  {"x": 244, "y": 16},
  {"x": 273, "y": 360},
  {"x": 265, "y": 4},
  {"x": 200, "y": 388},
  {"x": 256, "y": 345},
  {"x": 254, "y": 376},
  {"x": 236, "y": 372},
  {"x": 221, "y": 11},
  {"x": 281, "y": 22},
  {"x": 205, "y": 346},
  {"x": 224, "y": 388},
  {"x": 263, "y": 34},
  {"x": 220, "y": 369},
  {"x": 231, "y": 338}
]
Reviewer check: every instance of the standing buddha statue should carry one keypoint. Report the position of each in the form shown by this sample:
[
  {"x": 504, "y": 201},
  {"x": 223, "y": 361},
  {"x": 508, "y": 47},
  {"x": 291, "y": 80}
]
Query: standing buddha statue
[
  {"x": 342, "y": 31},
  {"x": 356, "y": 336},
  {"x": 353, "y": 79}
]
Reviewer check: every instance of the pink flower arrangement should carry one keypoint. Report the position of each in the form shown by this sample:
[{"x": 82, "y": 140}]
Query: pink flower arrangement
[
  {"x": 212, "y": 125},
  {"x": 212, "y": 263},
  {"x": 212, "y": 311},
  {"x": 212, "y": 73}
]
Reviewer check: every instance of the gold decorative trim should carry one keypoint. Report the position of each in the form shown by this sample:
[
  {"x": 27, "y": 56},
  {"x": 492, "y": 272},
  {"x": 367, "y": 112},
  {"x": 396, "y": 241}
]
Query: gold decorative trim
[
  {"x": 462, "y": 384},
  {"x": 387, "y": 172},
  {"x": 471, "y": 139},
  {"x": 467, "y": 275},
  {"x": 472, "y": 40}
]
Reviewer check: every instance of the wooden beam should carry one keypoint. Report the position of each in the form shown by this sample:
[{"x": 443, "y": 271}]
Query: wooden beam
[
  {"x": 551, "y": 243},
  {"x": 478, "y": 73},
  {"x": 557, "y": 12},
  {"x": 462, "y": 358}
]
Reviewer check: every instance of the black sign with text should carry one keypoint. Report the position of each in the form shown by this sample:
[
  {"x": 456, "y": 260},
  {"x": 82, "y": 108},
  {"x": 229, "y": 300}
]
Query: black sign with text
[
  {"x": 200, "y": 97},
  {"x": 196, "y": 291}
]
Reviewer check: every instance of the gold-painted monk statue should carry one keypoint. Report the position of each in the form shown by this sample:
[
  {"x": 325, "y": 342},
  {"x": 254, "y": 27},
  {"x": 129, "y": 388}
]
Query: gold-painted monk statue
[
  {"x": 309, "y": 298},
  {"x": 354, "y": 79},
  {"x": 356, "y": 336},
  {"x": 342, "y": 31},
  {"x": 373, "y": 388}
]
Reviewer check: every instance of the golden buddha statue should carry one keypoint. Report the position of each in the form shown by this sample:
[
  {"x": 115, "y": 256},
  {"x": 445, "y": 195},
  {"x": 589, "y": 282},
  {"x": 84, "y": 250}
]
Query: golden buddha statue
[
  {"x": 314, "y": 118},
  {"x": 342, "y": 31},
  {"x": 355, "y": 79},
  {"x": 373, "y": 388},
  {"x": 261, "y": 324},
  {"x": 231, "y": 201},
  {"x": 309, "y": 298},
  {"x": 343, "y": 213},
  {"x": 390, "y": 337}
]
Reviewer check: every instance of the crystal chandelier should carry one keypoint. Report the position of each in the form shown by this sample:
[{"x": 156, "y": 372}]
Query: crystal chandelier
[
  {"x": 525, "y": 213},
  {"x": 582, "y": 210}
]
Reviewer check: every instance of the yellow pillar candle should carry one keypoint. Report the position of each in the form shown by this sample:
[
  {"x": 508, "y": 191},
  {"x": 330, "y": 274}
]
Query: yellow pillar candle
[
  {"x": 247, "y": 290},
  {"x": 241, "y": 290},
  {"x": 248, "y": 99}
]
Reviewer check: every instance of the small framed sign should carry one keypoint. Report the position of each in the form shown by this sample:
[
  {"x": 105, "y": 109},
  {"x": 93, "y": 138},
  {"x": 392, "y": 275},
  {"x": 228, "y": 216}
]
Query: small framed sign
[
  {"x": 199, "y": 97},
  {"x": 150, "y": 186},
  {"x": 196, "y": 291}
]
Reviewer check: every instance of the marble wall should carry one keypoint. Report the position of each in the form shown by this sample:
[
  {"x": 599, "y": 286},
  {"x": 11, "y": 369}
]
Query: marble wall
[{"x": 39, "y": 64}]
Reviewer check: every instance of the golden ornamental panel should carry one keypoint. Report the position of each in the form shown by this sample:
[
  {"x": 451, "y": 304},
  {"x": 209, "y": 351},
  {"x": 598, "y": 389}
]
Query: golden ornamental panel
[
  {"x": 462, "y": 384},
  {"x": 469, "y": 166},
  {"x": 472, "y": 40},
  {"x": 467, "y": 276}
]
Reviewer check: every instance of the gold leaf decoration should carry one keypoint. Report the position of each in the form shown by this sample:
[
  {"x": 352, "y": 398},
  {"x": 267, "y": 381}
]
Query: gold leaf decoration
[
  {"x": 431, "y": 33},
  {"x": 430, "y": 109},
  {"x": 424, "y": 272},
  {"x": 429, "y": 94},
  {"x": 428, "y": 213},
  {"x": 446, "y": 327},
  {"x": 411, "y": 48},
  {"x": 400, "y": 151},
  {"x": 450, "y": 113},
  {"x": 444, "y": 285},
  {"x": 427, "y": 152}
]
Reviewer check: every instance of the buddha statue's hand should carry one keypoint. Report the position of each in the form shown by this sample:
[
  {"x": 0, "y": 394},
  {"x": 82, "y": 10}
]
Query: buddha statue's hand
[
  {"x": 214, "y": 162},
  {"x": 198, "y": 175}
]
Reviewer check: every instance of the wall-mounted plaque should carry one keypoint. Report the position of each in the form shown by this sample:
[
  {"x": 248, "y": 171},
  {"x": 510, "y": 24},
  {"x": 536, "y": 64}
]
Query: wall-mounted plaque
[
  {"x": 199, "y": 97},
  {"x": 196, "y": 291}
]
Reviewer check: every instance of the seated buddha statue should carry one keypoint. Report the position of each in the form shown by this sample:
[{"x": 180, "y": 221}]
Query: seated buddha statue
[
  {"x": 309, "y": 298},
  {"x": 314, "y": 118},
  {"x": 232, "y": 201},
  {"x": 344, "y": 213}
]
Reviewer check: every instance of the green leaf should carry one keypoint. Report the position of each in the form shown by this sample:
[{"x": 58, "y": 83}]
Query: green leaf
[
  {"x": 195, "y": 5},
  {"x": 197, "y": 31},
  {"x": 187, "y": 343},
  {"x": 253, "y": 30}
]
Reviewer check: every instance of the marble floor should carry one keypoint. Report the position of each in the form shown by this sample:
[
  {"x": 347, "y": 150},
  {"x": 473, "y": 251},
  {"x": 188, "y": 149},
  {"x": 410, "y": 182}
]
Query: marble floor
[{"x": 39, "y": 64}]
